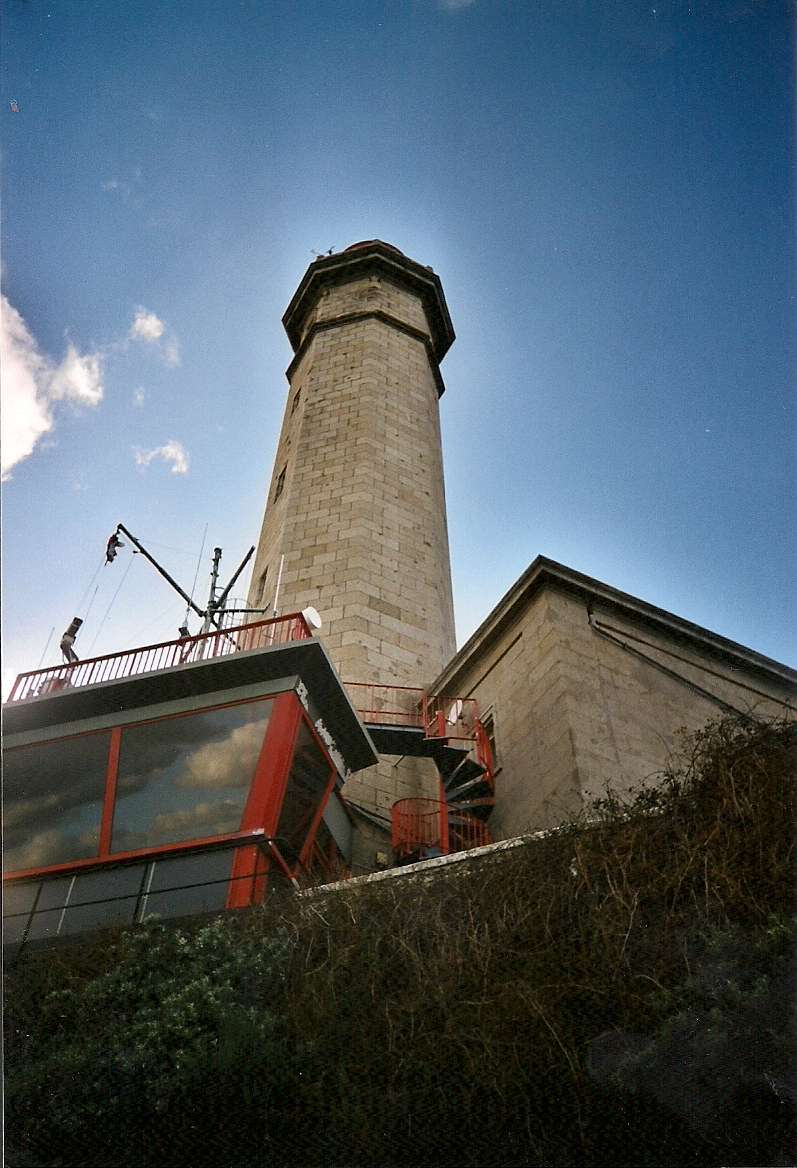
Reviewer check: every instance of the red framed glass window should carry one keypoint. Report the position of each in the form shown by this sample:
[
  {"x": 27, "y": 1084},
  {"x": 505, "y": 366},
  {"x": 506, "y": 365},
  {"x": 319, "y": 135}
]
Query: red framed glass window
[
  {"x": 186, "y": 777},
  {"x": 53, "y": 797},
  {"x": 113, "y": 826}
]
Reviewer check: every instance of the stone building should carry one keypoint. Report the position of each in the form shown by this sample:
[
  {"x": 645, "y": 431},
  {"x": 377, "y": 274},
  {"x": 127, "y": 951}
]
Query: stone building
[
  {"x": 355, "y": 518},
  {"x": 576, "y": 685},
  {"x": 201, "y": 774},
  {"x": 583, "y": 687}
]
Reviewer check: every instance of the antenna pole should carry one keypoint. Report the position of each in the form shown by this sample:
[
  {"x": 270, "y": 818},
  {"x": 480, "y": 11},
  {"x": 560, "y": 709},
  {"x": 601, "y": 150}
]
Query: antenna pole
[
  {"x": 210, "y": 612},
  {"x": 158, "y": 568},
  {"x": 236, "y": 574}
]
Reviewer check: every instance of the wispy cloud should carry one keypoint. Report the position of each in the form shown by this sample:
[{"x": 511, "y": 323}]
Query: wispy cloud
[
  {"x": 171, "y": 452},
  {"x": 148, "y": 327},
  {"x": 124, "y": 189},
  {"x": 139, "y": 397},
  {"x": 32, "y": 382},
  {"x": 171, "y": 352},
  {"x": 78, "y": 378},
  {"x": 455, "y": 5}
]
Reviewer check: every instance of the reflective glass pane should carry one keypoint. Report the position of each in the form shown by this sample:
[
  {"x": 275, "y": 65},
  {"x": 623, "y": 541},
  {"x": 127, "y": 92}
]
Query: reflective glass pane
[
  {"x": 19, "y": 898},
  {"x": 108, "y": 883},
  {"x": 55, "y": 893},
  {"x": 50, "y": 908},
  {"x": 105, "y": 897},
  {"x": 95, "y": 916},
  {"x": 53, "y": 795},
  {"x": 14, "y": 929},
  {"x": 45, "y": 924},
  {"x": 189, "y": 884},
  {"x": 310, "y": 774},
  {"x": 187, "y": 777}
]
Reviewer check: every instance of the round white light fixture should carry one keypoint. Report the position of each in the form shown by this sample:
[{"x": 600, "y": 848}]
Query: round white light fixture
[{"x": 311, "y": 616}]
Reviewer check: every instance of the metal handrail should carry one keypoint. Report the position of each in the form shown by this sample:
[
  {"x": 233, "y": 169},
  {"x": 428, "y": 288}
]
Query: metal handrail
[
  {"x": 264, "y": 634},
  {"x": 431, "y": 823},
  {"x": 147, "y": 858},
  {"x": 417, "y": 823},
  {"x": 387, "y": 705}
]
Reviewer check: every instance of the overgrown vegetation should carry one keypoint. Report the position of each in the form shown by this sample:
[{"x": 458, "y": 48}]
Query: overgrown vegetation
[{"x": 615, "y": 993}]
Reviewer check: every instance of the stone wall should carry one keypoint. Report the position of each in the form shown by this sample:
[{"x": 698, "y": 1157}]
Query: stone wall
[
  {"x": 360, "y": 513},
  {"x": 356, "y": 502}
]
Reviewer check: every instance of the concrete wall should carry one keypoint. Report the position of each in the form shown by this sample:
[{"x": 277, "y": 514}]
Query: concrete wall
[{"x": 575, "y": 712}]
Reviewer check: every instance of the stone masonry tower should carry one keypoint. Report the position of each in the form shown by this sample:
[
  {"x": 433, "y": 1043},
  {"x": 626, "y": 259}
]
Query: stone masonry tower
[{"x": 356, "y": 503}]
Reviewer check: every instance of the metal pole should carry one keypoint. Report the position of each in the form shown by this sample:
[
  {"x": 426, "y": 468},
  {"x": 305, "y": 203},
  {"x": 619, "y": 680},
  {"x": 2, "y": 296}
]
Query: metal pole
[
  {"x": 214, "y": 575},
  {"x": 235, "y": 576},
  {"x": 163, "y": 572},
  {"x": 277, "y": 589}
]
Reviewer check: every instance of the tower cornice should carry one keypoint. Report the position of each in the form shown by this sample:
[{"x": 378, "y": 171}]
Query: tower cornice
[
  {"x": 368, "y": 314},
  {"x": 365, "y": 259}
]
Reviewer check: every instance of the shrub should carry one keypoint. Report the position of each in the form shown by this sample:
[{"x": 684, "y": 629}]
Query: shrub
[{"x": 615, "y": 992}]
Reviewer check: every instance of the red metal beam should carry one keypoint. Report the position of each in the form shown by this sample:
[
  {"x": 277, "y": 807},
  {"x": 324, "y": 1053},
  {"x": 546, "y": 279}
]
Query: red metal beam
[
  {"x": 109, "y": 800},
  {"x": 152, "y": 853},
  {"x": 267, "y": 791}
]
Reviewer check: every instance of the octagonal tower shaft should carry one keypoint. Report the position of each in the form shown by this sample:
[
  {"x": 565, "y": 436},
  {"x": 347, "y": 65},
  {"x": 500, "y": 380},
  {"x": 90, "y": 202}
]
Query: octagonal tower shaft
[{"x": 356, "y": 502}]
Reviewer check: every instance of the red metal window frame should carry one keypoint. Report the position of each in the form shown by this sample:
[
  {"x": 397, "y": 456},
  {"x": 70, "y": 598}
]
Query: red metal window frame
[
  {"x": 266, "y": 797},
  {"x": 309, "y": 843},
  {"x": 111, "y": 775},
  {"x": 109, "y": 801},
  {"x": 260, "y": 815},
  {"x": 163, "y": 850}
]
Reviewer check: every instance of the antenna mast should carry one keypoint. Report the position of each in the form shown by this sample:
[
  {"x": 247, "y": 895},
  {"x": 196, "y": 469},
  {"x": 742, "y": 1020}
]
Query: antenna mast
[{"x": 215, "y": 606}]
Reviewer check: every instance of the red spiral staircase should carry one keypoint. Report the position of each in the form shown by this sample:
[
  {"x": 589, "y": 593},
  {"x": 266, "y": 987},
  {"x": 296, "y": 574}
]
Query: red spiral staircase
[{"x": 448, "y": 730}]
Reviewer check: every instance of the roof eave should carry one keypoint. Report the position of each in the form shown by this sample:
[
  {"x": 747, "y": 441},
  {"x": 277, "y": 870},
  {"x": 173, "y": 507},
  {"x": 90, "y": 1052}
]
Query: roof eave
[{"x": 543, "y": 572}]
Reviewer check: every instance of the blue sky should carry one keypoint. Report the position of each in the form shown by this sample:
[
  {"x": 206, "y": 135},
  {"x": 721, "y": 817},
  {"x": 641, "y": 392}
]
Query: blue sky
[{"x": 605, "y": 188}]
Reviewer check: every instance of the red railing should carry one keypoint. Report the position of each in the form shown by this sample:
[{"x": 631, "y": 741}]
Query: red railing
[
  {"x": 446, "y": 717},
  {"x": 484, "y": 752},
  {"x": 114, "y": 666},
  {"x": 387, "y": 705},
  {"x": 417, "y": 824},
  {"x": 466, "y": 831}
]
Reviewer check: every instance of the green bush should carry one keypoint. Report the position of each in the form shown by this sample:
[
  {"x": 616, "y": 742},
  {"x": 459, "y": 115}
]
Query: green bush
[
  {"x": 617, "y": 992},
  {"x": 176, "y": 1017}
]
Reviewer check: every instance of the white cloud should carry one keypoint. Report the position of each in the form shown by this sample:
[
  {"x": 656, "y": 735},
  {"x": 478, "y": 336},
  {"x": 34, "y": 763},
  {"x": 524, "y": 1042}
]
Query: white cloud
[
  {"x": 229, "y": 762},
  {"x": 146, "y": 326},
  {"x": 171, "y": 352},
  {"x": 171, "y": 451},
  {"x": 202, "y": 819},
  {"x": 78, "y": 379},
  {"x": 139, "y": 396},
  {"x": 31, "y": 382}
]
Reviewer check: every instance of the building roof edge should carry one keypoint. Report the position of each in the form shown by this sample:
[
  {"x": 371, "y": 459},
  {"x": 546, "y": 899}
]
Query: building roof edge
[{"x": 543, "y": 572}]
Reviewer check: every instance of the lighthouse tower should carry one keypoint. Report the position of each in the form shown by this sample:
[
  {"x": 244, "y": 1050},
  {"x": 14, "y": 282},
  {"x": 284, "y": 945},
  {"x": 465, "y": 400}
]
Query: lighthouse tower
[{"x": 356, "y": 504}]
